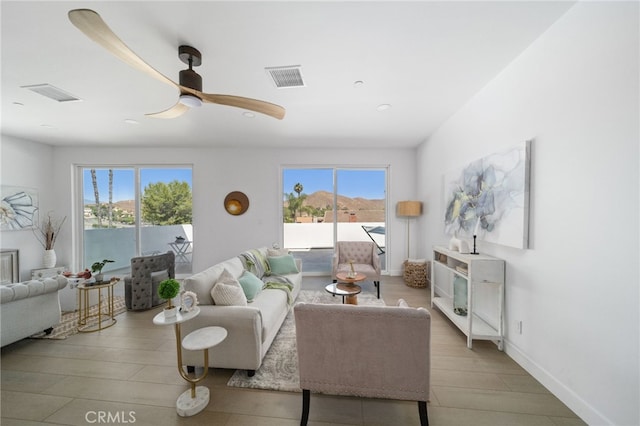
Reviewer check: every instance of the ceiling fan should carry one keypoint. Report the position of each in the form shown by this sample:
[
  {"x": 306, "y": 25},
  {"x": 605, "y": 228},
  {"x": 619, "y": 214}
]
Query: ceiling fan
[{"x": 191, "y": 95}]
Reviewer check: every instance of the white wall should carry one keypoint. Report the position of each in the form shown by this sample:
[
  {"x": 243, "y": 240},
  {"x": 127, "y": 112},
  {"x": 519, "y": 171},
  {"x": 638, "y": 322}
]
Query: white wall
[
  {"x": 29, "y": 164},
  {"x": 256, "y": 172},
  {"x": 575, "y": 92}
]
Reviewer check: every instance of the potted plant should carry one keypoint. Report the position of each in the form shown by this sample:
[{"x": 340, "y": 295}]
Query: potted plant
[
  {"x": 168, "y": 289},
  {"x": 96, "y": 268}
]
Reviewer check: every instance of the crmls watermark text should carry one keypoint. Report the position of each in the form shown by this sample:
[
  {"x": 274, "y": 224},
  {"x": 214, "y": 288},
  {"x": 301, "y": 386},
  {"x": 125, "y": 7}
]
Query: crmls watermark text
[{"x": 109, "y": 417}]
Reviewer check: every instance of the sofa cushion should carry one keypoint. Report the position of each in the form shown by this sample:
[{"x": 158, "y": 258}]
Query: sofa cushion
[
  {"x": 202, "y": 283},
  {"x": 273, "y": 307},
  {"x": 282, "y": 265},
  {"x": 251, "y": 285}
]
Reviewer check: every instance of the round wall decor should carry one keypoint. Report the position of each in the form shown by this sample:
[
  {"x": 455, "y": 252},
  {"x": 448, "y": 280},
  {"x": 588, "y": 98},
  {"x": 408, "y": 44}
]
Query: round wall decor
[{"x": 236, "y": 203}]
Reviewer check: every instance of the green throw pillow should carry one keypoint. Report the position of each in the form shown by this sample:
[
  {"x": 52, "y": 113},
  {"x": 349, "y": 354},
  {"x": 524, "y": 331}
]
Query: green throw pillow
[
  {"x": 282, "y": 265},
  {"x": 251, "y": 285}
]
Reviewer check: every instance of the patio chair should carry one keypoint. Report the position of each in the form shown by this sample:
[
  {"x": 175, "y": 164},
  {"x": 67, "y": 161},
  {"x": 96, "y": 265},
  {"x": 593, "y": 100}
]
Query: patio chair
[
  {"x": 364, "y": 255},
  {"x": 147, "y": 272},
  {"x": 341, "y": 353}
]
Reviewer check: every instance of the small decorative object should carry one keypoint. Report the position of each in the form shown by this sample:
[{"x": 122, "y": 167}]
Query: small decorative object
[
  {"x": 236, "y": 203},
  {"x": 47, "y": 233},
  {"x": 189, "y": 301},
  {"x": 96, "y": 268},
  {"x": 475, "y": 234},
  {"x": 168, "y": 289},
  {"x": 456, "y": 244},
  {"x": 179, "y": 239},
  {"x": 352, "y": 272}
]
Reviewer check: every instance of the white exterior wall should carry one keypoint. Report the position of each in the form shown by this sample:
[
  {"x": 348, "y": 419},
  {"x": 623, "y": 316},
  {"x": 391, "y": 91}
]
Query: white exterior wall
[{"x": 575, "y": 92}]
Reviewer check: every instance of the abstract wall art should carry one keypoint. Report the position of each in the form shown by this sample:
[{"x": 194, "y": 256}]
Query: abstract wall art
[
  {"x": 490, "y": 197},
  {"x": 18, "y": 208}
]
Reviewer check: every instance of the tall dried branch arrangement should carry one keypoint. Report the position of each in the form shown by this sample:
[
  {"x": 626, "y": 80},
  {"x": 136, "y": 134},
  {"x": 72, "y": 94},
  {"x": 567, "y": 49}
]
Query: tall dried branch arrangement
[{"x": 47, "y": 232}]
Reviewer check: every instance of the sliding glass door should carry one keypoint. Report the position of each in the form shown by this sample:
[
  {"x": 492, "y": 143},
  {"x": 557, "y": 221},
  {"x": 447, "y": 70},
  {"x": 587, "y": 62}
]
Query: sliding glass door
[
  {"x": 323, "y": 205},
  {"x": 132, "y": 211}
]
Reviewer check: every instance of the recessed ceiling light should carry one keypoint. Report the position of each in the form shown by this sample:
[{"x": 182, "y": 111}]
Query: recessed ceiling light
[
  {"x": 383, "y": 107},
  {"x": 248, "y": 114},
  {"x": 358, "y": 83},
  {"x": 130, "y": 121},
  {"x": 20, "y": 104},
  {"x": 48, "y": 126}
]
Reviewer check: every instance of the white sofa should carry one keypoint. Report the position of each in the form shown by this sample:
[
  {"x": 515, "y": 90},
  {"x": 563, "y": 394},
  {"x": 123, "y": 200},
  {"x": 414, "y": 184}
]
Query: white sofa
[
  {"x": 250, "y": 329},
  {"x": 29, "y": 307}
]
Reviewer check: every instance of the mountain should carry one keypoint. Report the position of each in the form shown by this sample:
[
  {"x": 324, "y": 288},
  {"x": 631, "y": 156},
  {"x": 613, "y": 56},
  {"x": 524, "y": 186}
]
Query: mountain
[{"x": 324, "y": 199}]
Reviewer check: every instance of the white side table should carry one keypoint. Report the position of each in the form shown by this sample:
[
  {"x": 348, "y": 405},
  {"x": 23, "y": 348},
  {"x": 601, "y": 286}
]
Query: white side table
[{"x": 195, "y": 399}]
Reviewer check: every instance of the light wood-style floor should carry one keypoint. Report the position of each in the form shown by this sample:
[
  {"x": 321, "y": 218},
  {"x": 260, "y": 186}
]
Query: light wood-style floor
[{"x": 128, "y": 374}]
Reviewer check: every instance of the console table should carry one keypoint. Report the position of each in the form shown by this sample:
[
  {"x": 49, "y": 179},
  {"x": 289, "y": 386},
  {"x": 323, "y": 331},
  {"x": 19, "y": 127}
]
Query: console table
[{"x": 484, "y": 276}]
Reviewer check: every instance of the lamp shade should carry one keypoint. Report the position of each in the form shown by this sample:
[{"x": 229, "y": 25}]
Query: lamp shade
[{"x": 409, "y": 208}]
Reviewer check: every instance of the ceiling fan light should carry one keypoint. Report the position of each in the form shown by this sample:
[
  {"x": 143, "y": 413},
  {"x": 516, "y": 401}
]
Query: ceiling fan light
[{"x": 190, "y": 101}]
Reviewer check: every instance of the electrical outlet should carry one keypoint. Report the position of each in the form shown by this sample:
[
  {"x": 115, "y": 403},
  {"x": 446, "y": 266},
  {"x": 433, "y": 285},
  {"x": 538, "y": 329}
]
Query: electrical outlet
[{"x": 517, "y": 327}]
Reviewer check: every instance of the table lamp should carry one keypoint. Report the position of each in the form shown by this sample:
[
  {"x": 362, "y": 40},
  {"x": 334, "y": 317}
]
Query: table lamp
[{"x": 409, "y": 209}]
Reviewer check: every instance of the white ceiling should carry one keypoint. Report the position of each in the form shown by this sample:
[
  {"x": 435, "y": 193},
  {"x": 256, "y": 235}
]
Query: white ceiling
[{"x": 426, "y": 59}]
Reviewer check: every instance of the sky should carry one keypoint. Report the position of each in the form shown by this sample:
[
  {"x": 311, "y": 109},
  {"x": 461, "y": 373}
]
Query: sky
[
  {"x": 123, "y": 181},
  {"x": 368, "y": 184}
]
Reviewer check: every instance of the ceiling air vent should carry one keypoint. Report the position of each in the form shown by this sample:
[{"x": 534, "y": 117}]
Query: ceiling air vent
[
  {"x": 52, "y": 92},
  {"x": 289, "y": 76}
]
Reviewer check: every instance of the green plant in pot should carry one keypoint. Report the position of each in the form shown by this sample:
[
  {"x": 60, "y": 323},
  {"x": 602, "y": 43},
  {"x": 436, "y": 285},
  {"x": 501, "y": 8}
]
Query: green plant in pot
[
  {"x": 96, "y": 268},
  {"x": 168, "y": 289}
]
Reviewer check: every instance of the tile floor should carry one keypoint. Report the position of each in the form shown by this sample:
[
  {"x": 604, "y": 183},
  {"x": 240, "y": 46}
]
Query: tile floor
[{"x": 127, "y": 374}]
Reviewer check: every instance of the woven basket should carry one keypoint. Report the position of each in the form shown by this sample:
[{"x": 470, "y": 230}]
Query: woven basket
[{"x": 416, "y": 274}]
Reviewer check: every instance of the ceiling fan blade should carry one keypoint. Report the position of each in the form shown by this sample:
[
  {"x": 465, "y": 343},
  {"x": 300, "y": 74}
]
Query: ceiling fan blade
[
  {"x": 175, "y": 111},
  {"x": 267, "y": 108},
  {"x": 92, "y": 25}
]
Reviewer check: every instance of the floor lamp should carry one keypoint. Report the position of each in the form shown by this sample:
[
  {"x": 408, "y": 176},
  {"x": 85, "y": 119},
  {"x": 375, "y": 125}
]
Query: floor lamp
[{"x": 409, "y": 209}]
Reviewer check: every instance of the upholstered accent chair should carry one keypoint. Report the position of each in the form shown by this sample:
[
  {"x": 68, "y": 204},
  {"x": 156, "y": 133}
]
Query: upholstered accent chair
[
  {"x": 365, "y": 258},
  {"x": 147, "y": 272},
  {"x": 341, "y": 353}
]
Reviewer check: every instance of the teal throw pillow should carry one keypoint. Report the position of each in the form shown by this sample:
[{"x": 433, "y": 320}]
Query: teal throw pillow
[
  {"x": 282, "y": 265},
  {"x": 251, "y": 285}
]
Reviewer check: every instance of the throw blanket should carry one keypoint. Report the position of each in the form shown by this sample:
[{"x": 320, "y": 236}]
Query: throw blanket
[
  {"x": 254, "y": 262},
  {"x": 281, "y": 283}
]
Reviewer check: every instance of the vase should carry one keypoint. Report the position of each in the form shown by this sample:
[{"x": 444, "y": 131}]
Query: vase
[
  {"x": 49, "y": 258},
  {"x": 460, "y": 296},
  {"x": 170, "y": 312}
]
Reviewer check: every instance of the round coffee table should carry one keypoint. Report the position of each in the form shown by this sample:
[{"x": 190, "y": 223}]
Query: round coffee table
[
  {"x": 349, "y": 292},
  {"x": 345, "y": 278}
]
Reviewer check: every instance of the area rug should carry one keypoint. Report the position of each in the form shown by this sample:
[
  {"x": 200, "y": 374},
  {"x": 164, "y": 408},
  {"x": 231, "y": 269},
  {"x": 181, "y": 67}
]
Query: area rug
[
  {"x": 69, "y": 321},
  {"x": 279, "y": 369}
]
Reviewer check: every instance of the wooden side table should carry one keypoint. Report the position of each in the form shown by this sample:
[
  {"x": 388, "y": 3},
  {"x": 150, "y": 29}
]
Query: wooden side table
[{"x": 195, "y": 399}]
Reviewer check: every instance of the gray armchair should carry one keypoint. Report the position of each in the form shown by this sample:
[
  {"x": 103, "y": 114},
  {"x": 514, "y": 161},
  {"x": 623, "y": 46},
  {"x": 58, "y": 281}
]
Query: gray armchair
[
  {"x": 147, "y": 272},
  {"x": 365, "y": 260},
  {"x": 340, "y": 353}
]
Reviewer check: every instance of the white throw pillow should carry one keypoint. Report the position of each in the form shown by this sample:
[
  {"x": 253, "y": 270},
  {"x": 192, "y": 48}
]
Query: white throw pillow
[
  {"x": 228, "y": 295},
  {"x": 277, "y": 252}
]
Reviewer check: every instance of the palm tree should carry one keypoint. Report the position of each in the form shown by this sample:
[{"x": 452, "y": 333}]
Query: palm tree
[
  {"x": 110, "y": 207},
  {"x": 94, "y": 181},
  {"x": 298, "y": 189}
]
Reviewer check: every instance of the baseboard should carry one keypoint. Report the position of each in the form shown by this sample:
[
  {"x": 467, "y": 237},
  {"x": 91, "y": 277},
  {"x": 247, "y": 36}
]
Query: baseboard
[{"x": 583, "y": 409}]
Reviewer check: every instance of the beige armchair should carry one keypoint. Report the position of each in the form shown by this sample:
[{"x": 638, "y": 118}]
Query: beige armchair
[
  {"x": 147, "y": 272},
  {"x": 365, "y": 260},
  {"x": 340, "y": 353}
]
